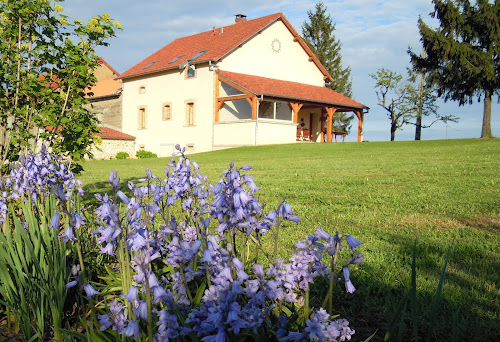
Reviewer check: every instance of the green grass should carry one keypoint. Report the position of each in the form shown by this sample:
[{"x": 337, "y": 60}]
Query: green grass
[{"x": 387, "y": 195}]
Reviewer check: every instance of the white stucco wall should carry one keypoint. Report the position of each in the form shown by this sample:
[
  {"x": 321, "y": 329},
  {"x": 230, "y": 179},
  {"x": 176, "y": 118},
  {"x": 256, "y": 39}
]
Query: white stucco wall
[
  {"x": 256, "y": 57},
  {"x": 238, "y": 133},
  {"x": 275, "y": 132},
  {"x": 173, "y": 88}
]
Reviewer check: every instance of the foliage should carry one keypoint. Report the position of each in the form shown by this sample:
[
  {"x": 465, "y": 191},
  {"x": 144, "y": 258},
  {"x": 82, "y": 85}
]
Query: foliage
[
  {"x": 400, "y": 98},
  {"x": 33, "y": 259},
  {"x": 122, "y": 155},
  {"x": 319, "y": 35},
  {"x": 462, "y": 54},
  {"x": 45, "y": 76},
  {"x": 141, "y": 154}
]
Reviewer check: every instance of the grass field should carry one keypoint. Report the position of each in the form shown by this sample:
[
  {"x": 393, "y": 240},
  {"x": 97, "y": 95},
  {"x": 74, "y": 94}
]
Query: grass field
[{"x": 387, "y": 195}]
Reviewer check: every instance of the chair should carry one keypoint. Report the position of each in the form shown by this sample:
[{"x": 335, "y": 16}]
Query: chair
[
  {"x": 299, "y": 134},
  {"x": 306, "y": 135}
]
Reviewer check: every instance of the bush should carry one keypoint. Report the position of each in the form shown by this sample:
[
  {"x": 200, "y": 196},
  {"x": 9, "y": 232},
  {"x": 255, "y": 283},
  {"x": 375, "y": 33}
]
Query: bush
[
  {"x": 122, "y": 155},
  {"x": 145, "y": 154}
]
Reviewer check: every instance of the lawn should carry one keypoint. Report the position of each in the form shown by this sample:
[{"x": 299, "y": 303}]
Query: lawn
[{"x": 440, "y": 194}]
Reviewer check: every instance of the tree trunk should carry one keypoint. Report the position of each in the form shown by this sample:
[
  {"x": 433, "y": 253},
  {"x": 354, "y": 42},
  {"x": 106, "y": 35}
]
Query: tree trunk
[
  {"x": 486, "y": 131},
  {"x": 393, "y": 130},
  {"x": 418, "y": 126}
]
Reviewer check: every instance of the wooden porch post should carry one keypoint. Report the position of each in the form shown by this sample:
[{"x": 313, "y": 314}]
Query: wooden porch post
[
  {"x": 253, "y": 103},
  {"x": 330, "y": 111},
  {"x": 295, "y": 108},
  {"x": 322, "y": 137},
  {"x": 359, "y": 114}
]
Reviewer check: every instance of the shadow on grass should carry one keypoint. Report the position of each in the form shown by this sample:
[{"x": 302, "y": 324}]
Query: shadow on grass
[{"x": 470, "y": 290}]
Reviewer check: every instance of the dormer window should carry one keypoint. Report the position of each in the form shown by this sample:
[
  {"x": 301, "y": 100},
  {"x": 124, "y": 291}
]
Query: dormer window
[{"x": 190, "y": 71}]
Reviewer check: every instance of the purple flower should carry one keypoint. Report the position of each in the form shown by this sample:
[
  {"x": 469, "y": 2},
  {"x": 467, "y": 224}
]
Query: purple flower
[
  {"x": 352, "y": 242},
  {"x": 90, "y": 291},
  {"x": 132, "y": 294},
  {"x": 348, "y": 284},
  {"x": 132, "y": 329},
  {"x": 68, "y": 235},
  {"x": 55, "y": 221},
  {"x": 71, "y": 284}
]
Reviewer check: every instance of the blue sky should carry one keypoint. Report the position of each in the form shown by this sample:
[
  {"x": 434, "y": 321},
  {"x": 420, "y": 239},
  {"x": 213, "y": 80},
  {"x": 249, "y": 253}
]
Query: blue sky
[{"x": 374, "y": 34}]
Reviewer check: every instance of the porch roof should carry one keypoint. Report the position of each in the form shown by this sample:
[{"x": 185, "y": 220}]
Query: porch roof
[{"x": 290, "y": 90}]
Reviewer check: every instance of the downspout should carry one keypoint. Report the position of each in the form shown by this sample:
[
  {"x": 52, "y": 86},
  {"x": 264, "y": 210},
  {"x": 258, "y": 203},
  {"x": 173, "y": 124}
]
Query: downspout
[
  {"x": 213, "y": 104},
  {"x": 257, "y": 118}
]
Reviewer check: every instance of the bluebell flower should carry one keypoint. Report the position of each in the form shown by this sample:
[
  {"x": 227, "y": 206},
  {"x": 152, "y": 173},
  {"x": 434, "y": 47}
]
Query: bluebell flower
[
  {"x": 132, "y": 294},
  {"x": 71, "y": 284},
  {"x": 352, "y": 242},
  {"x": 90, "y": 291},
  {"x": 348, "y": 284},
  {"x": 132, "y": 329},
  {"x": 68, "y": 235},
  {"x": 55, "y": 221}
]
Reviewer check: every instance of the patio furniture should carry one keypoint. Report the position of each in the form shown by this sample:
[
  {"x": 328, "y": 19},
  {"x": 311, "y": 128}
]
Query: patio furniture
[
  {"x": 299, "y": 134},
  {"x": 306, "y": 135}
]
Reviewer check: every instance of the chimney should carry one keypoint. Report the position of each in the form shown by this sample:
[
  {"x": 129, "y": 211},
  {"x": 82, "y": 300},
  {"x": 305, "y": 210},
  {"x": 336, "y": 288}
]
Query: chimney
[{"x": 240, "y": 18}]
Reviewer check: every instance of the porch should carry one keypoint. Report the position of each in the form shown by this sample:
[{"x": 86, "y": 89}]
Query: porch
[{"x": 252, "y": 110}]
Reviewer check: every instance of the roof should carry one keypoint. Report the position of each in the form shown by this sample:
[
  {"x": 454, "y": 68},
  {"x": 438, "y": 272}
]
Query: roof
[
  {"x": 105, "y": 133},
  {"x": 102, "y": 61},
  {"x": 290, "y": 90},
  {"x": 106, "y": 87},
  {"x": 216, "y": 44},
  {"x": 108, "y": 133}
]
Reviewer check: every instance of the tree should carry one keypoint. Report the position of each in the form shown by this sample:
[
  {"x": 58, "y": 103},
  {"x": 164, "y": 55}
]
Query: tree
[
  {"x": 463, "y": 61},
  {"x": 319, "y": 35},
  {"x": 398, "y": 109},
  {"x": 401, "y": 99},
  {"x": 45, "y": 77}
]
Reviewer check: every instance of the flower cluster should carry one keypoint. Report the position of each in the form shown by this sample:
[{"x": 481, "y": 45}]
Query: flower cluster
[
  {"x": 176, "y": 246},
  {"x": 35, "y": 176}
]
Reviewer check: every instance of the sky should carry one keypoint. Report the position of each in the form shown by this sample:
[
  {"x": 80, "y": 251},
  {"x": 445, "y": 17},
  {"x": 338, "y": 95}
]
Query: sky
[{"x": 374, "y": 34}]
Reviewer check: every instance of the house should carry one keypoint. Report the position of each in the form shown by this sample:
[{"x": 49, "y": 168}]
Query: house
[
  {"x": 251, "y": 83},
  {"x": 106, "y": 103}
]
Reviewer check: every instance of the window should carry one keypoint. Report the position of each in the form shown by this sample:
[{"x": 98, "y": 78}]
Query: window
[
  {"x": 166, "y": 113},
  {"x": 190, "y": 114},
  {"x": 142, "y": 89},
  {"x": 175, "y": 59},
  {"x": 150, "y": 65},
  {"x": 190, "y": 71},
  {"x": 142, "y": 118},
  {"x": 197, "y": 55}
]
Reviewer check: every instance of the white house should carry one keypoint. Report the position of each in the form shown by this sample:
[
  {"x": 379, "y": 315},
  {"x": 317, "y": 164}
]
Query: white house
[{"x": 251, "y": 83}]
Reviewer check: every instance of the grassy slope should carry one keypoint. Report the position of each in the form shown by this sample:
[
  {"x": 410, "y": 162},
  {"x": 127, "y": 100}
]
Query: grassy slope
[{"x": 387, "y": 195}]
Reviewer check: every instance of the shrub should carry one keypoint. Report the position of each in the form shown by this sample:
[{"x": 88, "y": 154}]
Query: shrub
[
  {"x": 145, "y": 154},
  {"x": 122, "y": 155}
]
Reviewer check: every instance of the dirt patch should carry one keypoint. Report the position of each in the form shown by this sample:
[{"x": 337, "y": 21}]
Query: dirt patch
[{"x": 490, "y": 223}]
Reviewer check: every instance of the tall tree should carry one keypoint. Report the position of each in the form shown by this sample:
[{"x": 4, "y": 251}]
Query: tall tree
[
  {"x": 46, "y": 67},
  {"x": 319, "y": 35},
  {"x": 463, "y": 61}
]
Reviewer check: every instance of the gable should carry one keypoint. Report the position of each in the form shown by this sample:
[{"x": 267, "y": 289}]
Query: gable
[
  {"x": 275, "y": 53},
  {"x": 215, "y": 45}
]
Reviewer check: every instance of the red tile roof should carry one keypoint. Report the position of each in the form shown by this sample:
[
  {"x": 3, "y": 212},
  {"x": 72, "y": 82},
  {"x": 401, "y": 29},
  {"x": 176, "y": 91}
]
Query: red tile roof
[
  {"x": 105, "y": 133},
  {"x": 218, "y": 43},
  {"x": 105, "y": 87},
  {"x": 108, "y": 133},
  {"x": 290, "y": 90}
]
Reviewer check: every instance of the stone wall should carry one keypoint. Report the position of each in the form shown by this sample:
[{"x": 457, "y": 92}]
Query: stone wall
[
  {"x": 108, "y": 110},
  {"x": 111, "y": 147}
]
